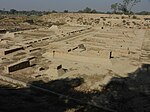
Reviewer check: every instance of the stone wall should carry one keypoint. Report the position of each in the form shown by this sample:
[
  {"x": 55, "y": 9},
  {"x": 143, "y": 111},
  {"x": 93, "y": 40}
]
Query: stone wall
[
  {"x": 27, "y": 62},
  {"x": 17, "y": 66},
  {"x": 8, "y": 51},
  {"x": 4, "y": 52}
]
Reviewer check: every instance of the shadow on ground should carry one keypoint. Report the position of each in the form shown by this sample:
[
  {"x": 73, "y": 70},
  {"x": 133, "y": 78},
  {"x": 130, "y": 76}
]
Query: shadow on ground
[{"x": 130, "y": 94}]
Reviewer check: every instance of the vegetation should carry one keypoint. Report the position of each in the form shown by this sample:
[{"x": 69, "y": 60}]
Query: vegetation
[
  {"x": 32, "y": 12},
  {"x": 118, "y": 8},
  {"x": 143, "y": 13},
  {"x": 66, "y": 11},
  {"x": 87, "y": 10},
  {"x": 53, "y": 11},
  {"x": 125, "y": 7},
  {"x": 114, "y": 7}
]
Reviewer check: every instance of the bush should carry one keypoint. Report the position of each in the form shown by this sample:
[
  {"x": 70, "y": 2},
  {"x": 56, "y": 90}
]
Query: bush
[
  {"x": 124, "y": 21},
  {"x": 104, "y": 19},
  {"x": 134, "y": 17},
  {"x": 123, "y": 17}
]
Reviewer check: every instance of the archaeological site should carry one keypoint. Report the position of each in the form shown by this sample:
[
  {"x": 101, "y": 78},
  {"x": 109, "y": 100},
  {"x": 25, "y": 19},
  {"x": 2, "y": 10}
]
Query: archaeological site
[{"x": 74, "y": 62}]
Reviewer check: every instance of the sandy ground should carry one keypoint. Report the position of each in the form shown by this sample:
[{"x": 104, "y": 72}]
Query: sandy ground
[
  {"x": 126, "y": 38},
  {"x": 81, "y": 66}
]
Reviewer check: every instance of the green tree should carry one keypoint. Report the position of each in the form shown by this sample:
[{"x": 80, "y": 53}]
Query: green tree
[
  {"x": 127, "y": 6},
  {"x": 66, "y": 11},
  {"x": 13, "y": 11},
  {"x": 114, "y": 7},
  {"x": 53, "y": 11},
  {"x": 87, "y": 10},
  {"x": 93, "y": 11}
]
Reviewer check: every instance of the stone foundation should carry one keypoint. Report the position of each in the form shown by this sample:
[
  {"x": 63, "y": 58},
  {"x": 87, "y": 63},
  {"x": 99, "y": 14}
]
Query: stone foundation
[{"x": 20, "y": 65}]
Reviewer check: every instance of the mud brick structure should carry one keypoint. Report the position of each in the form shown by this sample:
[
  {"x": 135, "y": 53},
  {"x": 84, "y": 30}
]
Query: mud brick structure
[
  {"x": 27, "y": 62},
  {"x": 3, "y": 31},
  {"x": 4, "y": 52}
]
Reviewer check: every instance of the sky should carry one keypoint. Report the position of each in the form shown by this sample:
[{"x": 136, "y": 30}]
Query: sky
[{"x": 71, "y": 5}]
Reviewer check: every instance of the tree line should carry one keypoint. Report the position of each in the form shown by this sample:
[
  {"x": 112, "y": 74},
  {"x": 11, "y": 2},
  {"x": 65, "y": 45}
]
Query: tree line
[
  {"x": 34, "y": 12},
  {"x": 117, "y": 8}
]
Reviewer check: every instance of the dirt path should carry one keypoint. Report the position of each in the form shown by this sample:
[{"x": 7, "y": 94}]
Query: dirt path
[{"x": 82, "y": 59}]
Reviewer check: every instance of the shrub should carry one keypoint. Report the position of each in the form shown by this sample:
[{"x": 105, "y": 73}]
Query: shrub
[
  {"x": 134, "y": 17},
  {"x": 124, "y": 21}
]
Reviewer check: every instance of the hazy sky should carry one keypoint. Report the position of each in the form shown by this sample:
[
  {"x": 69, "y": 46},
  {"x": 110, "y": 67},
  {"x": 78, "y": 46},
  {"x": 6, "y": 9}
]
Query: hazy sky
[{"x": 71, "y": 5}]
